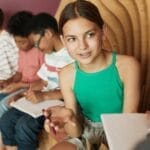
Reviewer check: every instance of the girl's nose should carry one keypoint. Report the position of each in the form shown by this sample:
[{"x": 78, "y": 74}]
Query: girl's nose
[{"x": 82, "y": 44}]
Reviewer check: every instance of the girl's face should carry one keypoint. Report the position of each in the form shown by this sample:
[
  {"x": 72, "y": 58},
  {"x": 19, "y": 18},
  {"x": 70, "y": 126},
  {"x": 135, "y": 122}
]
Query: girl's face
[{"x": 83, "y": 39}]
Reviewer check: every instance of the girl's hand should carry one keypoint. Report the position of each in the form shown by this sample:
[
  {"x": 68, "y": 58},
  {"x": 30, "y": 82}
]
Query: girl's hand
[
  {"x": 58, "y": 135},
  {"x": 58, "y": 116}
]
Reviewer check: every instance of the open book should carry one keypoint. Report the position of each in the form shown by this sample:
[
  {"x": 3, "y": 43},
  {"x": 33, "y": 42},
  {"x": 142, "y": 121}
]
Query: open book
[
  {"x": 124, "y": 131},
  {"x": 35, "y": 110}
]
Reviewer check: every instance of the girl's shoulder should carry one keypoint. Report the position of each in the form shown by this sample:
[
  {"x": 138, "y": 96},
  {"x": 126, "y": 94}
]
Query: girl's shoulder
[
  {"x": 68, "y": 68},
  {"x": 66, "y": 76},
  {"x": 68, "y": 71},
  {"x": 127, "y": 66},
  {"x": 126, "y": 61},
  {"x": 121, "y": 60}
]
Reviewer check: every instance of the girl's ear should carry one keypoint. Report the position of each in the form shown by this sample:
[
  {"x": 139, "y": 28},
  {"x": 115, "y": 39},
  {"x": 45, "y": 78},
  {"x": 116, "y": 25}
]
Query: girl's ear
[
  {"x": 104, "y": 32},
  {"x": 62, "y": 40}
]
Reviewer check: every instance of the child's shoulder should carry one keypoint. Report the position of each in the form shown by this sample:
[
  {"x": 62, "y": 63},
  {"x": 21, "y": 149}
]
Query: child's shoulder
[
  {"x": 127, "y": 65},
  {"x": 68, "y": 70},
  {"x": 122, "y": 60},
  {"x": 67, "y": 75},
  {"x": 126, "y": 60}
]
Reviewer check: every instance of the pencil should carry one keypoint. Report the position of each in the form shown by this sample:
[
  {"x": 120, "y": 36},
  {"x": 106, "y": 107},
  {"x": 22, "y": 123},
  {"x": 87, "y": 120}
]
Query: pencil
[{"x": 30, "y": 89}]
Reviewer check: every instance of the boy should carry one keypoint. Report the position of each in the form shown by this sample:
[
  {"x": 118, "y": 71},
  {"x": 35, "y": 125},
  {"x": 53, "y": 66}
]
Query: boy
[
  {"x": 8, "y": 55},
  {"x": 19, "y": 27},
  {"x": 30, "y": 60},
  {"x": 46, "y": 38},
  {"x": 8, "y": 59}
]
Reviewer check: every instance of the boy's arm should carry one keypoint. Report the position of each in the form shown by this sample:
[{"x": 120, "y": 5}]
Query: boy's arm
[
  {"x": 15, "y": 83},
  {"x": 11, "y": 84},
  {"x": 3, "y": 84},
  {"x": 15, "y": 78},
  {"x": 34, "y": 86},
  {"x": 55, "y": 94},
  {"x": 38, "y": 85},
  {"x": 38, "y": 96},
  {"x": 12, "y": 87}
]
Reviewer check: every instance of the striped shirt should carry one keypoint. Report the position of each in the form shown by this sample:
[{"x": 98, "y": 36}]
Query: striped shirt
[{"x": 8, "y": 56}]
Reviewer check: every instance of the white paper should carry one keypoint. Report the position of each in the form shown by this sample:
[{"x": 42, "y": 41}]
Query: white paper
[
  {"x": 124, "y": 131},
  {"x": 35, "y": 110}
]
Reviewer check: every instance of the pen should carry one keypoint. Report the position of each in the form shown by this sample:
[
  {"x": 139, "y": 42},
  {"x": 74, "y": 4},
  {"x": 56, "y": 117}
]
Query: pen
[{"x": 30, "y": 89}]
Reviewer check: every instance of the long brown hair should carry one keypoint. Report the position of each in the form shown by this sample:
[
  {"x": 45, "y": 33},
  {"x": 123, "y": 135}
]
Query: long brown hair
[{"x": 80, "y": 8}]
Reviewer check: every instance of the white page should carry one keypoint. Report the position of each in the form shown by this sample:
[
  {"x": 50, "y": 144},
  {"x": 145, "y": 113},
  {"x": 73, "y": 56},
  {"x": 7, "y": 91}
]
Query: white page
[
  {"x": 124, "y": 131},
  {"x": 35, "y": 110}
]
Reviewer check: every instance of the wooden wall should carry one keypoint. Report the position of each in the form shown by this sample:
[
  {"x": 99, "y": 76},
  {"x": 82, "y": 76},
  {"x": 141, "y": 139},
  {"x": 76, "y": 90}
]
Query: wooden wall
[{"x": 128, "y": 24}]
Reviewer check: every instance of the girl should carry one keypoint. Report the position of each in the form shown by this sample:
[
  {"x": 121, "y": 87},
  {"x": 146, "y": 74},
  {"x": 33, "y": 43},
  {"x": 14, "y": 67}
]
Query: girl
[{"x": 99, "y": 81}]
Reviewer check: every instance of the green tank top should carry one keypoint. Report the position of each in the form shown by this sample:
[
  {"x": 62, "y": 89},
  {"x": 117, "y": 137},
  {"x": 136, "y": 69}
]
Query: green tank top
[{"x": 99, "y": 92}]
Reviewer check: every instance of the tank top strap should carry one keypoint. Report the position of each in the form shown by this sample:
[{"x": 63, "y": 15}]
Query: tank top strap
[{"x": 114, "y": 58}]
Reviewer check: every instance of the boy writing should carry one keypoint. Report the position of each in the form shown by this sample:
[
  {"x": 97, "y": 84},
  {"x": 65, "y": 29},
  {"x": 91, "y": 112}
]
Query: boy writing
[{"x": 46, "y": 38}]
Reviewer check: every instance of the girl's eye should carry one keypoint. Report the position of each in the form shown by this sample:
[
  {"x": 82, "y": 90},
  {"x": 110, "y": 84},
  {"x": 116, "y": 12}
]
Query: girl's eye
[
  {"x": 90, "y": 35},
  {"x": 71, "y": 39}
]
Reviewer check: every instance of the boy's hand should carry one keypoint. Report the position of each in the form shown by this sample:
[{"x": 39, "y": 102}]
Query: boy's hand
[
  {"x": 38, "y": 86},
  {"x": 14, "y": 98},
  {"x": 3, "y": 84},
  {"x": 34, "y": 96},
  {"x": 11, "y": 88}
]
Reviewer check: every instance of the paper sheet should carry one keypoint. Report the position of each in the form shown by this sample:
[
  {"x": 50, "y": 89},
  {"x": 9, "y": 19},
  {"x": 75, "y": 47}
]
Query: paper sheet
[{"x": 35, "y": 110}]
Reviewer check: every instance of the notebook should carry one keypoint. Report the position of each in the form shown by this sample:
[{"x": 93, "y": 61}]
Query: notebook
[
  {"x": 124, "y": 131},
  {"x": 35, "y": 110}
]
